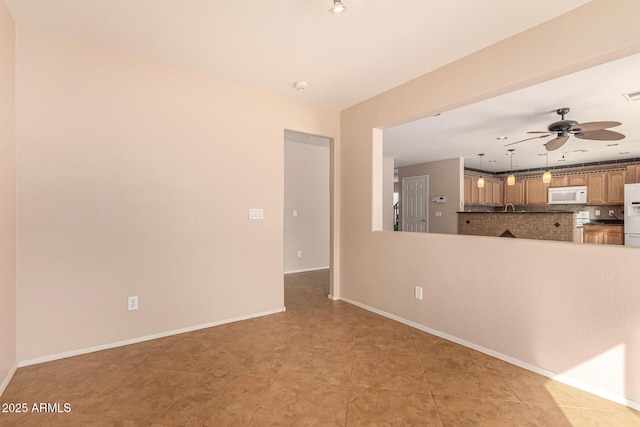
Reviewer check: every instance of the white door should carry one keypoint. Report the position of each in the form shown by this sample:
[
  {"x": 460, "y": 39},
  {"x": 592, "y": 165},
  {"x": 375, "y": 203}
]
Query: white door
[{"x": 415, "y": 192}]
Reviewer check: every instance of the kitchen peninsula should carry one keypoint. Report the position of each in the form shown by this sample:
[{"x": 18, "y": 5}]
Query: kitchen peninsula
[{"x": 547, "y": 225}]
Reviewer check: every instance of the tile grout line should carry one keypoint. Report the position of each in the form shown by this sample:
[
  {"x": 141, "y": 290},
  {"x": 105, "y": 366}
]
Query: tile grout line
[{"x": 433, "y": 398}]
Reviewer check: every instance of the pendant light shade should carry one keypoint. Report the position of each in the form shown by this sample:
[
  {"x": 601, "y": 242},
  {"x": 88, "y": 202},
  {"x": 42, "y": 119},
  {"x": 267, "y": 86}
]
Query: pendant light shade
[
  {"x": 337, "y": 7},
  {"x": 511, "y": 179},
  {"x": 546, "y": 176},
  {"x": 481, "y": 179}
]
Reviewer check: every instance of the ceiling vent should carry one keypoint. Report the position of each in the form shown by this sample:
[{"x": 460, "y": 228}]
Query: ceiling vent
[{"x": 633, "y": 96}]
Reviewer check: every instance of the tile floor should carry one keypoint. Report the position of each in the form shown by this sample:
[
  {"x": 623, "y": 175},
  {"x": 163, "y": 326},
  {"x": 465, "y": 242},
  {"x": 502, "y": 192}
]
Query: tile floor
[{"x": 322, "y": 363}]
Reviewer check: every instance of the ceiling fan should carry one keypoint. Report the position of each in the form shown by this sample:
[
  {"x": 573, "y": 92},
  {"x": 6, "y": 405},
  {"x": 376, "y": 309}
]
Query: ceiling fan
[{"x": 562, "y": 129}]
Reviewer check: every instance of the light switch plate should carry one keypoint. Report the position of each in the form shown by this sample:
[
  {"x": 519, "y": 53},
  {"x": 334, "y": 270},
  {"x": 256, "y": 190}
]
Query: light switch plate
[{"x": 256, "y": 213}]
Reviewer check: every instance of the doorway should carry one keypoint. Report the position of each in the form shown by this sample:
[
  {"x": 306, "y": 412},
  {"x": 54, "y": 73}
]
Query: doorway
[{"x": 309, "y": 205}]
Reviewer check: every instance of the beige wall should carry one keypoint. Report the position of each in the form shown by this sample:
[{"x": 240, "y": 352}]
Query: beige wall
[
  {"x": 388, "y": 170},
  {"x": 306, "y": 190},
  {"x": 445, "y": 179},
  {"x": 7, "y": 199},
  {"x": 136, "y": 178},
  {"x": 565, "y": 308}
]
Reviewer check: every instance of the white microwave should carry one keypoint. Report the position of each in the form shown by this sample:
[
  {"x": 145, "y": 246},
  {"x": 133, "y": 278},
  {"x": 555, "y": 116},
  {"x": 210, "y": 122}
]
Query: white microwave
[{"x": 568, "y": 195}]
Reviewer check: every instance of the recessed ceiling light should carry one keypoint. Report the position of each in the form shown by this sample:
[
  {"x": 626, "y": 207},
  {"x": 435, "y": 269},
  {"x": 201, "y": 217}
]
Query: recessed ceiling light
[
  {"x": 612, "y": 145},
  {"x": 501, "y": 138},
  {"x": 300, "y": 85},
  {"x": 542, "y": 154},
  {"x": 337, "y": 7},
  {"x": 581, "y": 150},
  {"x": 625, "y": 152},
  {"x": 492, "y": 161},
  {"x": 562, "y": 160}
]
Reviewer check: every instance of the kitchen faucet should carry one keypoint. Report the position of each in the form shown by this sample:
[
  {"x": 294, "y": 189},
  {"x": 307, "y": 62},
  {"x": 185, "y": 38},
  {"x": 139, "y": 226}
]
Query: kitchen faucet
[{"x": 512, "y": 207}]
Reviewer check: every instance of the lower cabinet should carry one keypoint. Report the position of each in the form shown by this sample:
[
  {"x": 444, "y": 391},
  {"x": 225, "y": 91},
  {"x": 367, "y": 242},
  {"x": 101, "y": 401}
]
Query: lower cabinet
[{"x": 604, "y": 235}]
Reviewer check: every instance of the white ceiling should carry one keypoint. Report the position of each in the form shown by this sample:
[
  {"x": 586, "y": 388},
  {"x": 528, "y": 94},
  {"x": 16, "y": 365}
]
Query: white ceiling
[
  {"x": 270, "y": 44},
  {"x": 595, "y": 94}
]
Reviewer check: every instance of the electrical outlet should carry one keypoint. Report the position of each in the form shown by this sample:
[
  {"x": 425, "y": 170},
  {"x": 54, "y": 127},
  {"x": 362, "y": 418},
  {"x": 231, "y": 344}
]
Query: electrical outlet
[
  {"x": 597, "y": 212},
  {"x": 418, "y": 293},
  {"x": 612, "y": 212},
  {"x": 299, "y": 254},
  {"x": 132, "y": 303}
]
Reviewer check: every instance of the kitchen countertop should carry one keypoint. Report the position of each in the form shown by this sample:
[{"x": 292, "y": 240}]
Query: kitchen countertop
[
  {"x": 518, "y": 212},
  {"x": 606, "y": 222}
]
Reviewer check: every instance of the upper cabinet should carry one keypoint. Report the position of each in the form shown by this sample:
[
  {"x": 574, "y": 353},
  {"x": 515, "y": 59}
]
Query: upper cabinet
[
  {"x": 603, "y": 188},
  {"x": 535, "y": 192},
  {"x": 606, "y": 188},
  {"x": 559, "y": 181},
  {"x": 575, "y": 180},
  {"x": 615, "y": 187},
  {"x": 568, "y": 181},
  {"x": 633, "y": 174},
  {"x": 514, "y": 194},
  {"x": 489, "y": 195}
]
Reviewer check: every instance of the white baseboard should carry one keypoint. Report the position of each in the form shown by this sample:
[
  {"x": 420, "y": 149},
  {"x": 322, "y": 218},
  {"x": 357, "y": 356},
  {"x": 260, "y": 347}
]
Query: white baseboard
[
  {"x": 307, "y": 269},
  {"x": 560, "y": 378},
  {"x": 52, "y": 357},
  {"x": 5, "y": 382}
]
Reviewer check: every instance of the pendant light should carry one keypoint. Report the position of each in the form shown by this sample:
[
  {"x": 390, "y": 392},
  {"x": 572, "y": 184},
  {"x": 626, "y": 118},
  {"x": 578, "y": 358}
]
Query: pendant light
[
  {"x": 546, "y": 176},
  {"x": 481, "y": 179},
  {"x": 337, "y": 7},
  {"x": 511, "y": 179}
]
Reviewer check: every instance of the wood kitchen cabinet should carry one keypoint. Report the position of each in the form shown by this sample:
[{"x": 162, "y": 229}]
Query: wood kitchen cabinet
[
  {"x": 597, "y": 189},
  {"x": 535, "y": 192},
  {"x": 568, "y": 181},
  {"x": 615, "y": 187},
  {"x": 467, "y": 190},
  {"x": 487, "y": 192},
  {"x": 604, "y": 235},
  {"x": 498, "y": 192},
  {"x": 633, "y": 174},
  {"x": 490, "y": 195},
  {"x": 514, "y": 193},
  {"x": 471, "y": 190},
  {"x": 558, "y": 181},
  {"x": 606, "y": 188},
  {"x": 576, "y": 180}
]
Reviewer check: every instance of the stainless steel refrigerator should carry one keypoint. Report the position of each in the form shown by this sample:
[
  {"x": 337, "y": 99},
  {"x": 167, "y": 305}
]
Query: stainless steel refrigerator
[{"x": 632, "y": 215}]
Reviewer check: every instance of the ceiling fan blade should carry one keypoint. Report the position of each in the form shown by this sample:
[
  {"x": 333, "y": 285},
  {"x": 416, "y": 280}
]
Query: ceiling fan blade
[
  {"x": 600, "y": 135},
  {"x": 590, "y": 126},
  {"x": 528, "y": 139},
  {"x": 556, "y": 143}
]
